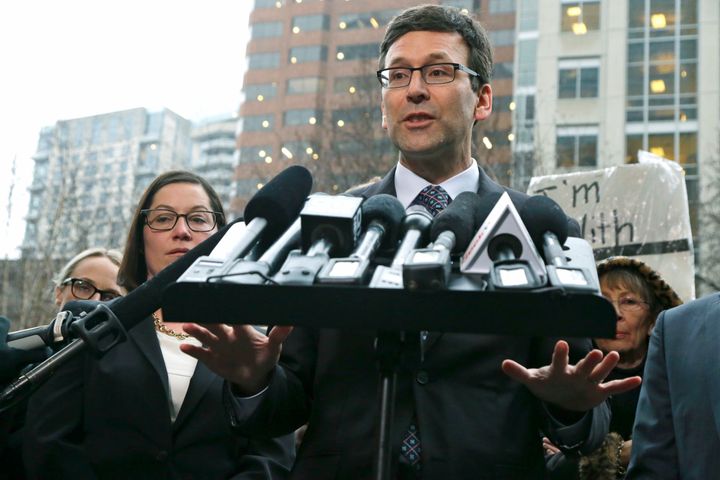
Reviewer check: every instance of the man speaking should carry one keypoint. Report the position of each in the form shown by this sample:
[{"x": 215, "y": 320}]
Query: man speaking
[{"x": 461, "y": 411}]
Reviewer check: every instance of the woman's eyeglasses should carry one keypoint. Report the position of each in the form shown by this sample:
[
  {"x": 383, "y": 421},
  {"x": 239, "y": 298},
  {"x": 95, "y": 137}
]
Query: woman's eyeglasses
[{"x": 85, "y": 290}]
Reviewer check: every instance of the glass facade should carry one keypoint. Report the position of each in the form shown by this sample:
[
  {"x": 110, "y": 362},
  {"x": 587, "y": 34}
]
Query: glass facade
[{"x": 662, "y": 68}]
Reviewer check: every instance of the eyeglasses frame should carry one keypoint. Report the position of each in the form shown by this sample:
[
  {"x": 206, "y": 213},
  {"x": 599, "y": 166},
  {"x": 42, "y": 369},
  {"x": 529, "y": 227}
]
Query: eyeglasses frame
[
  {"x": 456, "y": 67},
  {"x": 146, "y": 211},
  {"x": 74, "y": 280}
]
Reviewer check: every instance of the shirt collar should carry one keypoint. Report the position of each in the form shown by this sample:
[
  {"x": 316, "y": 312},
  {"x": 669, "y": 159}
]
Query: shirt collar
[{"x": 408, "y": 184}]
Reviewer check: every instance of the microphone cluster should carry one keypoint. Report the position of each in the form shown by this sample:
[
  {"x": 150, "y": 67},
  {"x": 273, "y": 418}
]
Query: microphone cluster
[{"x": 320, "y": 239}]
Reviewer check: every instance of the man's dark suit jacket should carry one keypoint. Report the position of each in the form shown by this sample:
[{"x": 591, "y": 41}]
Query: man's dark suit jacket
[
  {"x": 110, "y": 418},
  {"x": 677, "y": 424},
  {"x": 474, "y": 421}
]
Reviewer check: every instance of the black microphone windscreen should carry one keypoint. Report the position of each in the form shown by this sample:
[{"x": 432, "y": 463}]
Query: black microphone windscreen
[
  {"x": 485, "y": 206},
  {"x": 459, "y": 218},
  {"x": 541, "y": 214},
  {"x": 386, "y": 209},
  {"x": 280, "y": 201}
]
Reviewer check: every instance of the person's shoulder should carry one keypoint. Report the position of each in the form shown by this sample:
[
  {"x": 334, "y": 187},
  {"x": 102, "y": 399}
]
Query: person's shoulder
[{"x": 706, "y": 307}]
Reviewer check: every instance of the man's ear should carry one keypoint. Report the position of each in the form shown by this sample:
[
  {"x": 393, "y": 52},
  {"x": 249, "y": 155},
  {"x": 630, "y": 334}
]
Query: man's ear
[
  {"x": 483, "y": 106},
  {"x": 384, "y": 117}
]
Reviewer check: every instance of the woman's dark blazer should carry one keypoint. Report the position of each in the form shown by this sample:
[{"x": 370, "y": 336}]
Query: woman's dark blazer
[{"x": 110, "y": 418}]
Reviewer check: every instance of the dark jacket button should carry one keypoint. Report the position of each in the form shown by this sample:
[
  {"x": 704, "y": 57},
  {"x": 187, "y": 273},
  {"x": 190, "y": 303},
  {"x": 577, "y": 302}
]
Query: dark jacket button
[{"x": 422, "y": 377}]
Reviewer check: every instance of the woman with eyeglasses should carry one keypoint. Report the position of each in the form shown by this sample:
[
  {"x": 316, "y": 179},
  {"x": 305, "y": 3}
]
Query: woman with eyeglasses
[
  {"x": 638, "y": 294},
  {"x": 145, "y": 410},
  {"x": 89, "y": 275}
]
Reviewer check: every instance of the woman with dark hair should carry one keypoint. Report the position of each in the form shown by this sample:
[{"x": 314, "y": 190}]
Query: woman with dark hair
[
  {"x": 638, "y": 294},
  {"x": 145, "y": 409}
]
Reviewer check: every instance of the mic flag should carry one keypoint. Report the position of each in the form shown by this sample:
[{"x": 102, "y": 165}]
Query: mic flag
[{"x": 503, "y": 237}]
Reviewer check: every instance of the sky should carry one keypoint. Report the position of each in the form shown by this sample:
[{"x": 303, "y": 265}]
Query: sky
[{"x": 74, "y": 58}]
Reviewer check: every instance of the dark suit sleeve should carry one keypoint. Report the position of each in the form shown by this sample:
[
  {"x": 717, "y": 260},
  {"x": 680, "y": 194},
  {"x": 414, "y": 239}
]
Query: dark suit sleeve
[
  {"x": 654, "y": 454},
  {"x": 53, "y": 438},
  {"x": 267, "y": 459},
  {"x": 573, "y": 432}
]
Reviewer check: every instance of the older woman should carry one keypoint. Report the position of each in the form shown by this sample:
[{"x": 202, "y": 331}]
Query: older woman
[
  {"x": 89, "y": 275},
  {"x": 638, "y": 294},
  {"x": 145, "y": 409}
]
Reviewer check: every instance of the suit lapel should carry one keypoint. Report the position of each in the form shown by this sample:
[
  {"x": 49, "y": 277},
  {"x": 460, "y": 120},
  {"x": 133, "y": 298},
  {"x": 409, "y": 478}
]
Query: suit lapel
[
  {"x": 146, "y": 340},
  {"x": 199, "y": 384},
  {"x": 386, "y": 185}
]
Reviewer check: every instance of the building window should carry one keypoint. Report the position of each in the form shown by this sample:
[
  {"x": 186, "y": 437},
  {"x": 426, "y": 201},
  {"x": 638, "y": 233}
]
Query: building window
[
  {"x": 465, "y": 6},
  {"x": 376, "y": 20},
  {"x": 312, "y": 53},
  {"x": 527, "y": 58},
  {"x": 502, "y": 6},
  {"x": 501, "y": 38},
  {"x": 309, "y": 23},
  {"x": 300, "y": 150},
  {"x": 579, "y": 17},
  {"x": 662, "y": 67},
  {"x": 362, "y": 51},
  {"x": 269, "y": 3},
  {"x": 305, "y": 85},
  {"x": 576, "y": 146},
  {"x": 256, "y": 123},
  {"x": 260, "y": 91},
  {"x": 266, "y": 29},
  {"x": 253, "y": 154},
  {"x": 502, "y": 70},
  {"x": 257, "y": 61},
  {"x": 354, "y": 84},
  {"x": 302, "y": 116},
  {"x": 369, "y": 115},
  {"x": 578, "y": 78}
]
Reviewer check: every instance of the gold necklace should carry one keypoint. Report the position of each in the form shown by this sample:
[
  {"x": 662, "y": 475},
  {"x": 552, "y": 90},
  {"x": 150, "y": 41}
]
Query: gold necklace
[{"x": 162, "y": 328}]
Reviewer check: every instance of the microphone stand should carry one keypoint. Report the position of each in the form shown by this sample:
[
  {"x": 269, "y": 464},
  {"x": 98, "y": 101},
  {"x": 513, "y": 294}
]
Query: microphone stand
[
  {"x": 388, "y": 346},
  {"x": 100, "y": 330}
]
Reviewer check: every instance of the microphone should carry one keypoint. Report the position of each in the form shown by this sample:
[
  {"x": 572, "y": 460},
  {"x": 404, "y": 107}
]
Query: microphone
[
  {"x": 502, "y": 247},
  {"x": 259, "y": 272},
  {"x": 416, "y": 228},
  {"x": 269, "y": 213},
  {"x": 450, "y": 232},
  {"x": 42, "y": 336},
  {"x": 105, "y": 326},
  {"x": 548, "y": 227},
  {"x": 381, "y": 217},
  {"x": 329, "y": 225}
]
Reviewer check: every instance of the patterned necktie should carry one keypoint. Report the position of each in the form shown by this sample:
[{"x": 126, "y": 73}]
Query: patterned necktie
[
  {"x": 434, "y": 198},
  {"x": 410, "y": 449}
]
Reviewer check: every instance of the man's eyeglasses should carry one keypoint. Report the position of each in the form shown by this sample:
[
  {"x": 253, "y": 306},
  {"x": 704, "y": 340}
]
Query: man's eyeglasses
[
  {"x": 85, "y": 290},
  {"x": 433, "y": 74},
  {"x": 629, "y": 304},
  {"x": 162, "y": 220}
]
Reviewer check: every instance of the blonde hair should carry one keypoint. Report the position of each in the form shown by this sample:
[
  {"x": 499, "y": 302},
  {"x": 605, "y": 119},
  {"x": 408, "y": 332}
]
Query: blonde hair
[{"x": 113, "y": 255}]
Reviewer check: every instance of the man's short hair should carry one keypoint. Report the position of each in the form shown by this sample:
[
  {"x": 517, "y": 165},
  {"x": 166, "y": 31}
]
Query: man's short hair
[{"x": 441, "y": 18}]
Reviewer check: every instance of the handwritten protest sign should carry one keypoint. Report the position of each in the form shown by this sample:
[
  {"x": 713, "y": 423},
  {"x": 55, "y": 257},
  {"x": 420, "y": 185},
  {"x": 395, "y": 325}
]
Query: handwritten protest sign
[{"x": 638, "y": 210}]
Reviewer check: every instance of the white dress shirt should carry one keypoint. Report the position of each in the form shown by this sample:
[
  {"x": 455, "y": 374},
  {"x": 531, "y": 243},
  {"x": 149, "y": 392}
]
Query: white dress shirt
[{"x": 408, "y": 184}]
